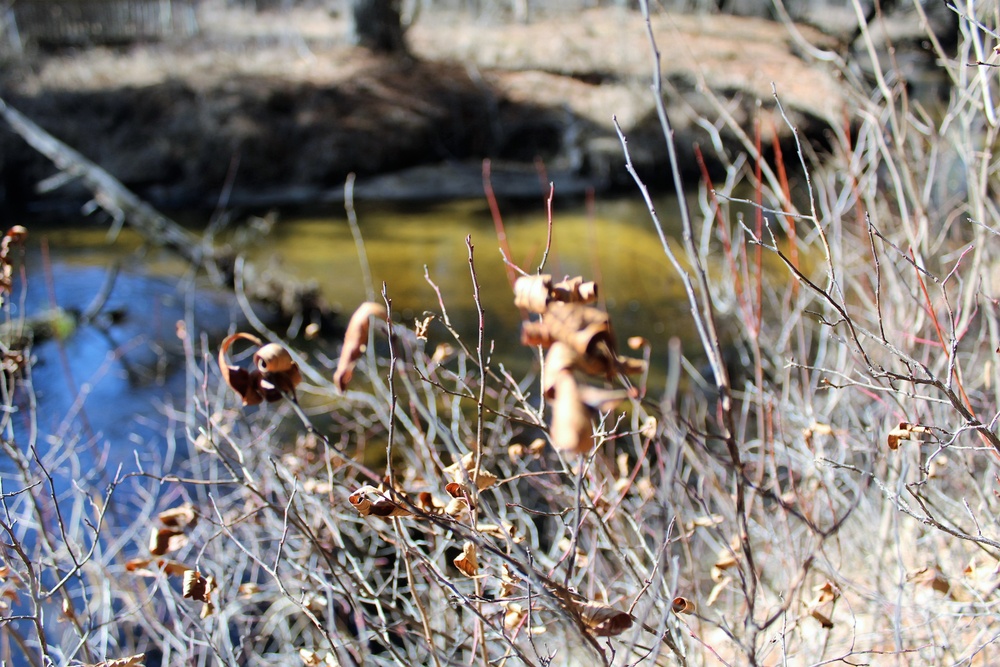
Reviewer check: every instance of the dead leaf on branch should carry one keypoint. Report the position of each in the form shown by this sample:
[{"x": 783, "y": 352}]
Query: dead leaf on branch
[
  {"x": 370, "y": 501},
  {"x": 587, "y": 333},
  {"x": 601, "y": 619},
  {"x": 198, "y": 587},
  {"x": 726, "y": 559},
  {"x": 484, "y": 478},
  {"x": 905, "y": 431},
  {"x": 312, "y": 658},
  {"x": 153, "y": 567},
  {"x": 586, "y": 330},
  {"x": 571, "y": 430},
  {"x": 165, "y": 540},
  {"x": 356, "y": 341},
  {"x": 181, "y": 517},
  {"x": 932, "y": 577},
  {"x": 468, "y": 561},
  {"x": 682, "y": 605},
  {"x": 821, "y": 607},
  {"x": 535, "y": 293},
  {"x": 274, "y": 375}
]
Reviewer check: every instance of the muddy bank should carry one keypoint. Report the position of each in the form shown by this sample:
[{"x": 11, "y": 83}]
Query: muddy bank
[{"x": 280, "y": 107}]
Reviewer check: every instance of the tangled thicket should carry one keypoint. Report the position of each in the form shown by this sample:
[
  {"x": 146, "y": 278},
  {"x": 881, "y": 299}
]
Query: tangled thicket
[{"x": 834, "y": 500}]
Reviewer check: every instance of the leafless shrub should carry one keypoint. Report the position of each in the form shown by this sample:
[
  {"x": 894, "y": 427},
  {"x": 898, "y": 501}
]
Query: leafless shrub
[{"x": 825, "y": 494}]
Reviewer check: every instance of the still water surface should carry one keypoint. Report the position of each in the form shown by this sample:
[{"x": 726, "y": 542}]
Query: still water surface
[{"x": 110, "y": 387}]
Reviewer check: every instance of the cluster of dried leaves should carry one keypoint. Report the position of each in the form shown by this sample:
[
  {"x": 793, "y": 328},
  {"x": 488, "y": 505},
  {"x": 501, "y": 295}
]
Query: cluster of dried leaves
[
  {"x": 579, "y": 339},
  {"x": 169, "y": 536}
]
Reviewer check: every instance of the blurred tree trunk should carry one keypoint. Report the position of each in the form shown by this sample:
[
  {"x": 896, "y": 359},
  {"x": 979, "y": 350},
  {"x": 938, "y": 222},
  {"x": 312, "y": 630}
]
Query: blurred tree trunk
[{"x": 376, "y": 24}]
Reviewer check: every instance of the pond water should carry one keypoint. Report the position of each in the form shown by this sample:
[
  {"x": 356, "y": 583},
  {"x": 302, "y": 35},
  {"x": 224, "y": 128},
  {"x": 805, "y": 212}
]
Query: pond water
[{"x": 109, "y": 388}]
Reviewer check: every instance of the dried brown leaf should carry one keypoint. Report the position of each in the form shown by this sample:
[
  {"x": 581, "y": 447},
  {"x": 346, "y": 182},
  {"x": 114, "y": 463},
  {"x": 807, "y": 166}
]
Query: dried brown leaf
[
  {"x": 239, "y": 379},
  {"x": 682, "y": 605},
  {"x": 514, "y": 615},
  {"x": 637, "y": 342},
  {"x": 181, "y": 517},
  {"x": 821, "y": 607},
  {"x": 197, "y": 586},
  {"x": 468, "y": 561},
  {"x": 601, "y": 619},
  {"x": 532, "y": 293},
  {"x": 369, "y": 501},
  {"x": 574, "y": 290},
  {"x": 560, "y": 358},
  {"x": 441, "y": 352},
  {"x": 153, "y": 567},
  {"x": 502, "y": 532},
  {"x": 312, "y": 658},
  {"x": 932, "y": 577},
  {"x": 725, "y": 560},
  {"x": 165, "y": 540},
  {"x": 484, "y": 479},
  {"x": 571, "y": 430},
  {"x": 420, "y": 326},
  {"x": 720, "y": 586},
  {"x": 355, "y": 341},
  {"x": 279, "y": 375},
  {"x": 904, "y": 431}
]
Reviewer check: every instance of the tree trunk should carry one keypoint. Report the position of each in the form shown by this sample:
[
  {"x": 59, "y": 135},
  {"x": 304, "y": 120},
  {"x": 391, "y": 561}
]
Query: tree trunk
[{"x": 376, "y": 24}]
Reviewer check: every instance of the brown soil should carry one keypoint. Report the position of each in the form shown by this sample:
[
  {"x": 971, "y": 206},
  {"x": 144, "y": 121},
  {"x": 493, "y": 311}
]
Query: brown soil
[{"x": 283, "y": 103}]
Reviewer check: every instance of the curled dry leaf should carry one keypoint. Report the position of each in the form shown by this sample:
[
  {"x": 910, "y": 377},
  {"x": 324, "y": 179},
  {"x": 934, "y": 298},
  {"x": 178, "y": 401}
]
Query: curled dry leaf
[
  {"x": 198, "y": 587},
  {"x": 274, "y": 375},
  {"x": 239, "y": 379},
  {"x": 637, "y": 342},
  {"x": 441, "y": 352},
  {"x": 586, "y": 332},
  {"x": 575, "y": 290},
  {"x": 420, "y": 326},
  {"x": 504, "y": 531},
  {"x": 468, "y": 561},
  {"x": 560, "y": 357},
  {"x": 585, "y": 329},
  {"x": 682, "y": 605},
  {"x": 152, "y": 567},
  {"x": 355, "y": 341},
  {"x": 724, "y": 561},
  {"x": 717, "y": 590},
  {"x": 821, "y": 608},
  {"x": 509, "y": 582},
  {"x": 165, "y": 540},
  {"x": 601, "y": 619},
  {"x": 905, "y": 431},
  {"x": 484, "y": 479},
  {"x": 370, "y": 501},
  {"x": 279, "y": 374},
  {"x": 181, "y": 517},
  {"x": 532, "y": 292},
  {"x": 535, "y": 293},
  {"x": 514, "y": 615},
  {"x": 571, "y": 430}
]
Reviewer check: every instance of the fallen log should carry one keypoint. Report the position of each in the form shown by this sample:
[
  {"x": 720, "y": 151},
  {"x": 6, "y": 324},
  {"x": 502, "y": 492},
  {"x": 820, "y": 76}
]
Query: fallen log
[{"x": 292, "y": 300}]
